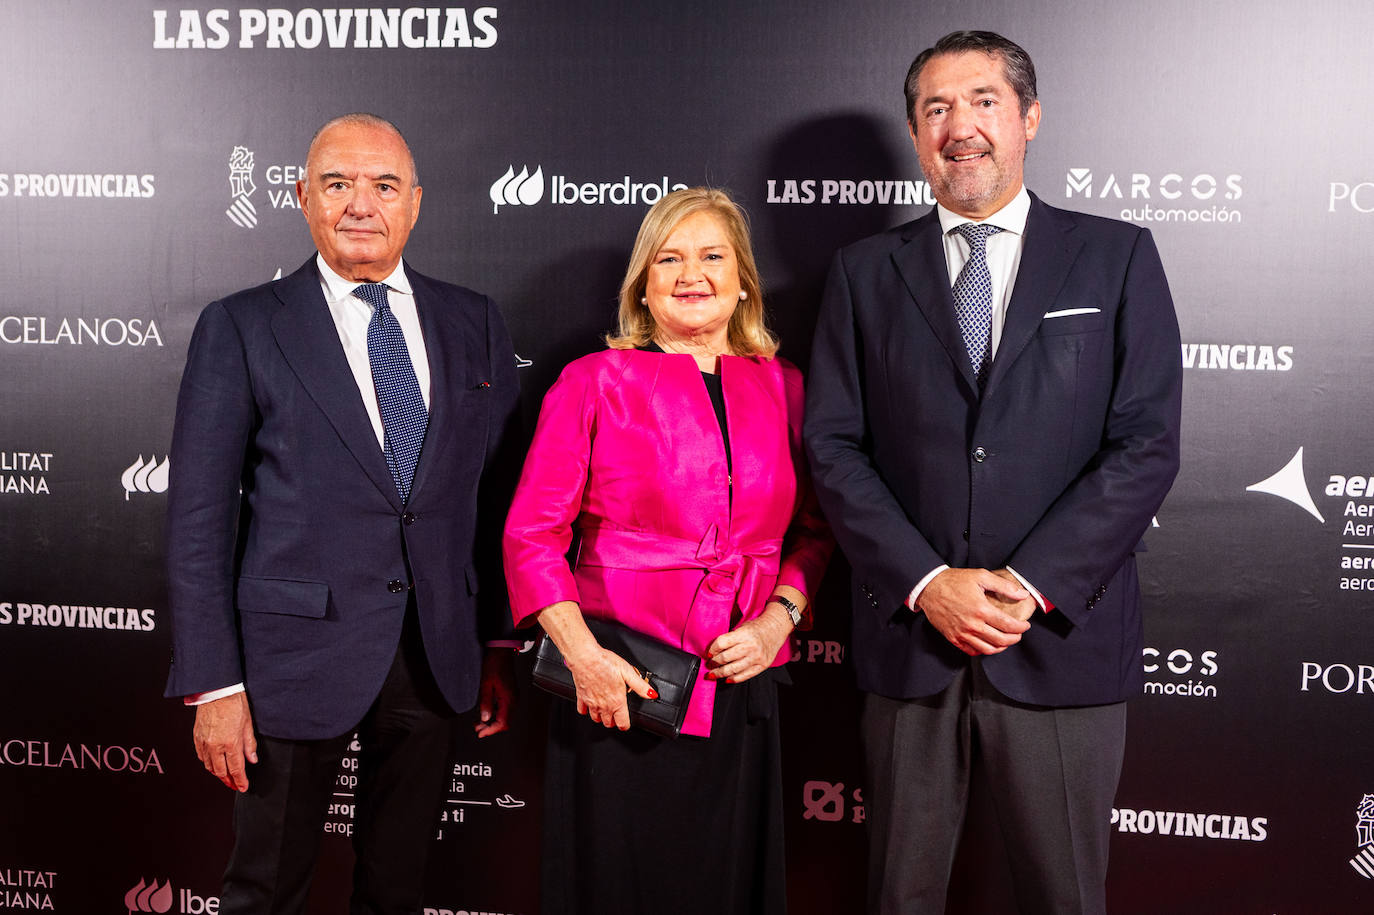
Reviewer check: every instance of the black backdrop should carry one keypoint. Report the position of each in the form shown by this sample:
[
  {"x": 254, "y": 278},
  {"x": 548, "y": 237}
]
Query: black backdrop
[{"x": 146, "y": 168}]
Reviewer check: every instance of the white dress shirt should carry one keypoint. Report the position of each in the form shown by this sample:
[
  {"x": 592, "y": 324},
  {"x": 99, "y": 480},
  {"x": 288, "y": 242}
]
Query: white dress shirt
[
  {"x": 1003, "y": 260},
  {"x": 1003, "y": 253},
  {"x": 352, "y": 315}
]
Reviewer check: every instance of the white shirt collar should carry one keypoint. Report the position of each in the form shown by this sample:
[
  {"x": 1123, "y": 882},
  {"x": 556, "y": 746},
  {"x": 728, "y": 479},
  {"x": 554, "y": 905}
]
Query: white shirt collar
[
  {"x": 1011, "y": 218},
  {"x": 339, "y": 287}
]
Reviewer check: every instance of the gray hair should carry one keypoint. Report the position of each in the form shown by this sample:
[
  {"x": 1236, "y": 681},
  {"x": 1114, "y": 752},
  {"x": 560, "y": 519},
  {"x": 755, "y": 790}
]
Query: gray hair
[
  {"x": 1016, "y": 65},
  {"x": 364, "y": 119}
]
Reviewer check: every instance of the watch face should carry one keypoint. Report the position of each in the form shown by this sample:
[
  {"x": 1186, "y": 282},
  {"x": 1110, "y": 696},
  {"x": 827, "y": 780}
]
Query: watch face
[{"x": 790, "y": 607}]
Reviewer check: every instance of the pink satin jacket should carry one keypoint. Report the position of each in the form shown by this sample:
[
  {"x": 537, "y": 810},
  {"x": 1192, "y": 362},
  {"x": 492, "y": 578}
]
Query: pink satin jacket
[{"x": 628, "y": 455}]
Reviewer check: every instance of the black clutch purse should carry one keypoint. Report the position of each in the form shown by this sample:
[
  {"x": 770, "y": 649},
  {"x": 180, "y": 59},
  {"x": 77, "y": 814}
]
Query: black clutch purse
[{"x": 670, "y": 670}]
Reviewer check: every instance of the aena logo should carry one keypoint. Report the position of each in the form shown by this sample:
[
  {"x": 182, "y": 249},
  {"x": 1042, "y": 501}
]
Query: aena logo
[
  {"x": 1290, "y": 483},
  {"x": 149, "y": 477},
  {"x": 516, "y": 190}
]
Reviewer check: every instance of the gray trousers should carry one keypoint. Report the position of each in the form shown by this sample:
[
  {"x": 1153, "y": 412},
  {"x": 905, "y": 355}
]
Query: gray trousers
[{"x": 1053, "y": 774}]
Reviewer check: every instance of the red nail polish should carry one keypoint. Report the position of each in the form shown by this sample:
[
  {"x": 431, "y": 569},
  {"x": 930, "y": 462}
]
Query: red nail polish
[{"x": 653, "y": 693}]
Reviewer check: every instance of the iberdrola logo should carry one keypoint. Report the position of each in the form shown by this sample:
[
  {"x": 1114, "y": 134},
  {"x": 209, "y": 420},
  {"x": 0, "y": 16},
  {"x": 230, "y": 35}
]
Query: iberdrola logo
[
  {"x": 149, "y": 897},
  {"x": 146, "y": 477},
  {"x": 518, "y": 189}
]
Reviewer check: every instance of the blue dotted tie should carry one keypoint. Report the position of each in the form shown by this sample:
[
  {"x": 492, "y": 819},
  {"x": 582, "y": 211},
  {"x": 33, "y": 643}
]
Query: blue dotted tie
[
  {"x": 402, "y": 406},
  {"x": 973, "y": 298}
]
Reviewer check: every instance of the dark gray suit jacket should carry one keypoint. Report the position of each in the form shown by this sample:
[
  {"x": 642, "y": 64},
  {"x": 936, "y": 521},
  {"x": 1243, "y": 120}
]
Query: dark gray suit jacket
[
  {"x": 1056, "y": 470},
  {"x": 297, "y": 586}
]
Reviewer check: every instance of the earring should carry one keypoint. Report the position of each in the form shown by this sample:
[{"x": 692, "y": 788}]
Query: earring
[
  {"x": 644, "y": 300},
  {"x": 743, "y": 295}
]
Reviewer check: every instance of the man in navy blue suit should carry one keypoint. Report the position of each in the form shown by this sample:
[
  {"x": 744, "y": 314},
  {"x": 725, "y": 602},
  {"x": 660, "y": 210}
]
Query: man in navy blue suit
[
  {"x": 992, "y": 420},
  {"x": 341, "y": 465}
]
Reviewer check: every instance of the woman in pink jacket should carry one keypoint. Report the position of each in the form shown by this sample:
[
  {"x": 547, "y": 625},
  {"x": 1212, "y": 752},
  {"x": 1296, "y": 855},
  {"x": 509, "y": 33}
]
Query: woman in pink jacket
[{"x": 673, "y": 460}]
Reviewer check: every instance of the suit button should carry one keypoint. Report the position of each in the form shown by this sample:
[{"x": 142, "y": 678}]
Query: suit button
[
  {"x": 395, "y": 586},
  {"x": 980, "y": 455},
  {"x": 408, "y": 518},
  {"x": 966, "y": 536}
]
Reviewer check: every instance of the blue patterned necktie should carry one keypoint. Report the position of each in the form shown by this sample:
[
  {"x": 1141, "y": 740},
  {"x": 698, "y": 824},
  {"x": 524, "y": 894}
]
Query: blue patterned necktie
[
  {"x": 399, "y": 400},
  {"x": 973, "y": 298}
]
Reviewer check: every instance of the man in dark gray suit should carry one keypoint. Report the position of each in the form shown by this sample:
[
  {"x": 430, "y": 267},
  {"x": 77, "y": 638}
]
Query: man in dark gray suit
[{"x": 992, "y": 420}]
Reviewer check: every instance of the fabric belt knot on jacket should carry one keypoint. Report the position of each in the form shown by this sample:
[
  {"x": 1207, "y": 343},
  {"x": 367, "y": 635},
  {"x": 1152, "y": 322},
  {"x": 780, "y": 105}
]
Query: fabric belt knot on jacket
[{"x": 731, "y": 569}]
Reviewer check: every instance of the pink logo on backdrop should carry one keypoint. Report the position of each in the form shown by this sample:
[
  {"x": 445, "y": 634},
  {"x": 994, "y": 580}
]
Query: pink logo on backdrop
[{"x": 149, "y": 897}]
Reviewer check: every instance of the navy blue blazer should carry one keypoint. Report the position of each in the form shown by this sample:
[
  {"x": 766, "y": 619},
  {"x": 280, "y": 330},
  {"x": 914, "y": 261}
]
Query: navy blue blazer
[
  {"x": 287, "y": 543},
  {"x": 1056, "y": 470}
]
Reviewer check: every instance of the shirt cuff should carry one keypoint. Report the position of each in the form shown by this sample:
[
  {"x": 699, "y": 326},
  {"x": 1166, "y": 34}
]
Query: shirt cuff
[
  {"x": 921, "y": 586},
  {"x": 1039, "y": 598},
  {"x": 212, "y": 695}
]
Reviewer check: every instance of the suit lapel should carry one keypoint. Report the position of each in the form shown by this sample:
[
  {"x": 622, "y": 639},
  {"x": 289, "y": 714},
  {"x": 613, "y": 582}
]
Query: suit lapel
[
  {"x": 921, "y": 263},
  {"x": 309, "y": 341},
  {"x": 441, "y": 353},
  {"x": 456, "y": 349},
  {"x": 1046, "y": 258}
]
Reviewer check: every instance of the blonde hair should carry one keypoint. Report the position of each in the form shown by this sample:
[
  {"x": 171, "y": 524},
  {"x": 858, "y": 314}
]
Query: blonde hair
[{"x": 748, "y": 334}]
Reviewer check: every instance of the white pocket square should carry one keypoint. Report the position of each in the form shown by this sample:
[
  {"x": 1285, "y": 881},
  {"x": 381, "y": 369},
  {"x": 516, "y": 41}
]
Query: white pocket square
[{"x": 1066, "y": 312}]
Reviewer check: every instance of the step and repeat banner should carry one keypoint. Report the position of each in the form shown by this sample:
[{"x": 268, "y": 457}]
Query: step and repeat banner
[{"x": 148, "y": 167}]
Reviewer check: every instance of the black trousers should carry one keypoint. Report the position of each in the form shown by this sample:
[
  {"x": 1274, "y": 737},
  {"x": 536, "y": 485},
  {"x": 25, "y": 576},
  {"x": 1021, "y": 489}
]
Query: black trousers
[
  {"x": 405, "y": 740},
  {"x": 1052, "y": 772}
]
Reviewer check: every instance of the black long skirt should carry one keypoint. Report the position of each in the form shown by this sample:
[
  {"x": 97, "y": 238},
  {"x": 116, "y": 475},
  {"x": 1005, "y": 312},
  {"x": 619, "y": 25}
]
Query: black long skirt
[{"x": 643, "y": 825}]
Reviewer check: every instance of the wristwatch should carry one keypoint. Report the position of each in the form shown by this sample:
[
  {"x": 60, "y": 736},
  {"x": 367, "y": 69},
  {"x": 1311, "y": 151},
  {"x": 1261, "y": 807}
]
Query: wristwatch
[{"x": 792, "y": 609}]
